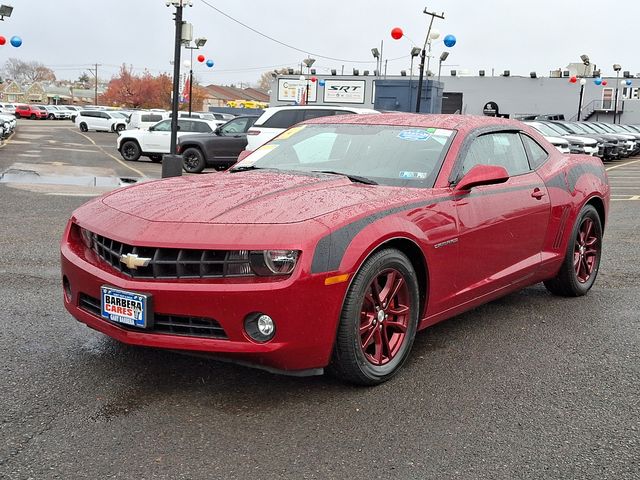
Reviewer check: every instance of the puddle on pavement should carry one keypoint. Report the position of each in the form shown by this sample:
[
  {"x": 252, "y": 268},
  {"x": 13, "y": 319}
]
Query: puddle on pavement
[{"x": 25, "y": 176}]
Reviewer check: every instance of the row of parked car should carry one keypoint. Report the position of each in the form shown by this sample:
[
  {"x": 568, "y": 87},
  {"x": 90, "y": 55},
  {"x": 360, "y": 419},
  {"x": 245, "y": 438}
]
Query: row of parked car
[
  {"x": 202, "y": 143},
  {"x": 604, "y": 140}
]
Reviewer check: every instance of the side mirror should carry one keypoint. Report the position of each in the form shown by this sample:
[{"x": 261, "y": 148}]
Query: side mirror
[
  {"x": 482, "y": 175},
  {"x": 151, "y": 129},
  {"x": 217, "y": 131}
]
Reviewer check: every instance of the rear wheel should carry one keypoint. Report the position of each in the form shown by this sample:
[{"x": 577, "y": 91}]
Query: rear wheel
[
  {"x": 130, "y": 150},
  {"x": 379, "y": 320},
  {"x": 193, "y": 160},
  {"x": 83, "y": 127},
  {"x": 582, "y": 259},
  {"x": 155, "y": 158},
  {"x": 120, "y": 127}
]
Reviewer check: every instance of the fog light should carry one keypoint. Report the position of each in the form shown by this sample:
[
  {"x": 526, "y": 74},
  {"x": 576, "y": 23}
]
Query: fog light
[{"x": 260, "y": 327}]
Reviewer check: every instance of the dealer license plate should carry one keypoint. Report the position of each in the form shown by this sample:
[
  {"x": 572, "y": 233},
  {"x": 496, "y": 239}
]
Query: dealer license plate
[{"x": 128, "y": 308}]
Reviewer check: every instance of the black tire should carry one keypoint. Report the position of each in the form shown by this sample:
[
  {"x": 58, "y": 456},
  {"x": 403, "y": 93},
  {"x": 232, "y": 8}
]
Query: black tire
[
  {"x": 130, "y": 150},
  {"x": 83, "y": 127},
  {"x": 568, "y": 282},
  {"x": 33, "y": 116},
  {"x": 351, "y": 360},
  {"x": 120, "y": 127},
  {"x": 193, "y": 160},
  {"x": 155, "y": 158},
  {"x": 51, "y": 116}
]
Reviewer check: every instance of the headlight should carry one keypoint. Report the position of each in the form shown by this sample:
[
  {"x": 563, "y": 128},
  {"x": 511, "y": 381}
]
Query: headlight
[
  {"x": 273, "y": 262},
  {"x": 87, "y": 237}
]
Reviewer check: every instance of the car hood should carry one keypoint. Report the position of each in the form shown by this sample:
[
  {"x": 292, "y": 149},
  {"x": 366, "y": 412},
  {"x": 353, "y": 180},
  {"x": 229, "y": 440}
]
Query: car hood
[
  {"x": 581, "y": 140},
  {"x": 556, "y": 140},
  {"x": 252, "y": 197}
]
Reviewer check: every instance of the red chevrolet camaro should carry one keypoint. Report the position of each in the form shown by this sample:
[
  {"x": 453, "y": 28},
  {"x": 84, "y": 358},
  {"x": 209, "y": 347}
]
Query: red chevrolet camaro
[{"x": 330, "y": 246}]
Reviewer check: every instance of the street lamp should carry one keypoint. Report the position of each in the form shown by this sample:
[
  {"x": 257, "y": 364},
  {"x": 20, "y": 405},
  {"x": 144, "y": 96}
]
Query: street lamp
[
  {"x": 376, "y": 54},
  {"x": 616, "y": 68},
  {"x": 199, "y": 42},
  {"x": 5, "y": 11},
  {"x": 415, "y": 51},
  {"x": 443, "y": 57},
  {"x": 172, "y": 163}
]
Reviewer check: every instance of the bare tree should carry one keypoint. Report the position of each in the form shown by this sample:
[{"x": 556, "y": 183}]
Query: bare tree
[
  {"x": 264, "y": 82},
  {"x": 27, "y": 72}
]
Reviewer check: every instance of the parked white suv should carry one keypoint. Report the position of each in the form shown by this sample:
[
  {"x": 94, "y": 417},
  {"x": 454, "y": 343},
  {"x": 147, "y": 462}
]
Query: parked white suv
[
  {"x": 156, "y": 140},
  {"x": 56, "y": 113},
  {"x": 144, "y": 119},
  {"x": 275, "y": 120},
  {"x": 101, "y": 121}
]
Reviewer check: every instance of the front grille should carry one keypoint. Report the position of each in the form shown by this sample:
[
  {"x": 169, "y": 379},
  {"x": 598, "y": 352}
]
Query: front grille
[
  {"x": 165, "y": 324},
  {"x": 167, "y": 263}
]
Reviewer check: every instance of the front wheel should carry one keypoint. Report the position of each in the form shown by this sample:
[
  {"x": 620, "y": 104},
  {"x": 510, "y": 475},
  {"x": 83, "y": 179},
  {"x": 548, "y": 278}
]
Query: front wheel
[
  {"x": 582, "y": 259},
  {"x": 130, "y": 150},
  {"x": 120, "y": 127},
  {"x": 83, "y": 127},
  {"x": 193, "y": 160},
  {"x": 378, "y": 321},
  {"x": 51, "y": 116}
]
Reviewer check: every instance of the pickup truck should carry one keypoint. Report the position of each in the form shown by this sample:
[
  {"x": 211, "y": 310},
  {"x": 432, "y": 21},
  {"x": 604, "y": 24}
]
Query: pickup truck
[{"x": 219, "y": 150}]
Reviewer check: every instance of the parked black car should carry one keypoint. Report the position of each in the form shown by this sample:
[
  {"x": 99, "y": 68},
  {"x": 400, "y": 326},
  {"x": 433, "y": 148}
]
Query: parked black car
[{"x": 219, "y": 150}]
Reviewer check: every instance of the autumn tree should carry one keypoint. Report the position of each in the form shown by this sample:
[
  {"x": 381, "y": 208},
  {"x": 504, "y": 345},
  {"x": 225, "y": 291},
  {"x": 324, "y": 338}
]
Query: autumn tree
[
  {"x": 138, "y": 91},
  {"x": 27, "y": 72}
]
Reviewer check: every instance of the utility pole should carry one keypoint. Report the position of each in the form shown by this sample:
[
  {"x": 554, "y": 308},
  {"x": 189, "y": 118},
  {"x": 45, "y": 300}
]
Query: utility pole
[
  {"x": 172, "y": 163},
  {"x": 423, "y": 55},
  {"x": 94, "y": 72}
]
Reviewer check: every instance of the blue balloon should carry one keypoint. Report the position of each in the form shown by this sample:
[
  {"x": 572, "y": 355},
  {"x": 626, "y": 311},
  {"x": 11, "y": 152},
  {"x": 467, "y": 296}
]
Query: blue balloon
[
  {"x": 598, "y": 81},
  {"x": 16, "y": 41},
  {"x": 209, "y": 63},
  {"x": 321, "y": 83},
  {"x": 629, "y": 82},
  {"x": 450, "y": 40}
]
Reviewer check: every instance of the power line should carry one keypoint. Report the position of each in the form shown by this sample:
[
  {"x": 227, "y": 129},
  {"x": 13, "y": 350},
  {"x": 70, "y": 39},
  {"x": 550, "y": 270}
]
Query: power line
[{"x": 305, "y": 51}]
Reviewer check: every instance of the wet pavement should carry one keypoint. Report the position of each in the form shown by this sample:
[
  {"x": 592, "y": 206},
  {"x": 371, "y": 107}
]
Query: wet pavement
[{"x": 529, "y": 386}]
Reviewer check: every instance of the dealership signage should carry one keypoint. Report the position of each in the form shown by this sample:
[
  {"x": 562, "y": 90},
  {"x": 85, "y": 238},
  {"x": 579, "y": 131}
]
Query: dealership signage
[
  {"x": 344, "y": 91},
  {"x": 491, "y": 109},
  {"x": 293, "y": 90}
]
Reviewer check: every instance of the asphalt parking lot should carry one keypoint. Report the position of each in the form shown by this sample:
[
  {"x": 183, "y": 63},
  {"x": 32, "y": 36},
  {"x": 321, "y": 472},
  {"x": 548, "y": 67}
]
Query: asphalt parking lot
[{"x": 529, "y": 386}]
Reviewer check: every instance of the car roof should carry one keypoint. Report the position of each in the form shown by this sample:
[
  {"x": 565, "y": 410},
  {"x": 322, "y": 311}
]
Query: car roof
[{"x": 450, "y": 122}]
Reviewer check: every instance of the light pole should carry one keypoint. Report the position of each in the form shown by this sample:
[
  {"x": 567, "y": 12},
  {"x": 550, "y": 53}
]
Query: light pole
[
  {"x": 376, "y": 54},
  {"x": 616, "y": 68},
  {"x": 199, "y": 42},
  {"x": 309, "y": 63},
  {"x": 583, "y": 82},
  {"x": 172, "y": 163},
  {"x": 443, "y": 57},
  {"x": 415, "y": 51}
]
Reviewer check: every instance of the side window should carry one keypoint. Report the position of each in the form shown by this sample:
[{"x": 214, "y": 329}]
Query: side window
[
  {"x": 150, "y": 118},
  {"x": 104, "y": 115},
  {"x": 202, "y": 127},
  {"x": 284, "y": 119},
  {"x": 503, "y": 149},
  {"x": 537, "y": 154},
  {"x": 164, "y": 126},
  {"x": 235, "y": 126},
  {"x": 315, "y": 113}
]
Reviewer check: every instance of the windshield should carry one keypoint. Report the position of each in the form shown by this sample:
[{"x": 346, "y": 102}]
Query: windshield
[
  {"x": 545, "y": 129},
  {"x": 579, "y": 129},
  {"x": 387, "y": 155},
  {"x": 555, "y": 128},
  {"x": 117, "y": 115}
]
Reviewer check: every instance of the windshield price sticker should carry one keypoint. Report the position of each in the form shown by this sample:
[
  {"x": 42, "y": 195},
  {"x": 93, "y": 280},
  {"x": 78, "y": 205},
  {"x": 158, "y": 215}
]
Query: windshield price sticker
[
  {"x": 415, "y": 135},
  {"x": 128, "y": 308},
  {"x": 413, "y": 175},
  {"x": 291, "y": 132}
]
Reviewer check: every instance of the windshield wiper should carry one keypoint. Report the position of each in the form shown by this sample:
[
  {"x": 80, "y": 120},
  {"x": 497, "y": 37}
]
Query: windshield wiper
[
  {"x": 353, "y": 178},
  {"x": 243, "y": 168}
]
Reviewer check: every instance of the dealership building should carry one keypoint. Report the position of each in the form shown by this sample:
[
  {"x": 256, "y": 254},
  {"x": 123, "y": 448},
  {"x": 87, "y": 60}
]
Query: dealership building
[{"x": 504, "y": 95}]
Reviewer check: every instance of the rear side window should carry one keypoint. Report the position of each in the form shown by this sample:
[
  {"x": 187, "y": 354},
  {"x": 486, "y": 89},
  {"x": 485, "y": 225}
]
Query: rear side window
[
  {"x": 283, "y": 119},
  {"x": 150, "y": 118},
  {"x": 87, "y": 114},
  {"x": 309, "y": 114},
  {"x": 537, "y": 154}
]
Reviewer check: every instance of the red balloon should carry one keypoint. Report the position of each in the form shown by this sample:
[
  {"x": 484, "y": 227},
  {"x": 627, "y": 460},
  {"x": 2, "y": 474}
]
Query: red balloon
[
  {"x": 604, "y": 82},
  {"x": 201, "y": 58},
  {"x": 573, "y": 79},
  {"x": 397, "y": 33},
  {"x": 2, "y": 40},
  {"x": 314, "y": 79}
]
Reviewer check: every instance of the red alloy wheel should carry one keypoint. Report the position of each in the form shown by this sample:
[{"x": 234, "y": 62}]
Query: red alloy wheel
[
  {"x": 384, "y": 317},
  {"x": 585, "y": 252}
]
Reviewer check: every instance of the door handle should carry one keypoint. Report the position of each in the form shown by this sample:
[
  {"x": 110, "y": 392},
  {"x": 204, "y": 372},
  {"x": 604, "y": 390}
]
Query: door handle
[{"x": 537, "y": 193}]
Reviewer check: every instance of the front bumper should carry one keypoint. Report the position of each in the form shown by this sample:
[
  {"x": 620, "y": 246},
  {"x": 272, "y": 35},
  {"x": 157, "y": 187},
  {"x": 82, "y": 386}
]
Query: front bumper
[{"x": 305, "y": 311}]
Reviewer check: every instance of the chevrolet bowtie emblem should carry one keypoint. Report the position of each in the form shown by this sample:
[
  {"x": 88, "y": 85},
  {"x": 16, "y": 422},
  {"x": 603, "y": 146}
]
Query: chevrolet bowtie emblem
[{"x": 133, "y": 261}]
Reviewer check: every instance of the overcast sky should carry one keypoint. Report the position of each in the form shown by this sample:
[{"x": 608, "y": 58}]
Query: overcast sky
[{"x": 519, "y": 35}]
